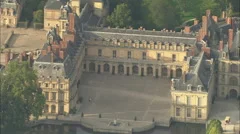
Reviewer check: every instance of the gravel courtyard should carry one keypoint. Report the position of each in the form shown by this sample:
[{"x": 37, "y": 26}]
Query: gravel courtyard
[{"x": 124, "y": 97}]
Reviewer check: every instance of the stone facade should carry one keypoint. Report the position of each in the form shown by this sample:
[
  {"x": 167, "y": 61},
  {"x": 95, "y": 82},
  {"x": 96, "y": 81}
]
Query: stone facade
[
  {"x": 218, "y": 40},
  {"x": 10, "y": 12},
  {"x": 192, "y": 96},
  {"x": 229, "y": 78},
  {"x": 56, "y": 14}
]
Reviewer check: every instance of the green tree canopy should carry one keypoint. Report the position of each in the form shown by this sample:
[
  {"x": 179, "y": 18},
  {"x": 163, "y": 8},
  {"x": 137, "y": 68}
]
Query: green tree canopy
[
  {"x": 20, "y": 95},
  {"x": 214, "y": 127},
  {"x": 120, "y": 17},
  {"x": 38, "y": 16},
  {"x": 163, "y": 13}
]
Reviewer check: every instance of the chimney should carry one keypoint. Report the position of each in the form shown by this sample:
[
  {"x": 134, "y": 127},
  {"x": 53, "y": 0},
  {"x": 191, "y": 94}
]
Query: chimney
[
  {"x": 195, "y": 22},
  {"x": 204, "y": 25},
  {"x": 187, "y": 29},
  {"x": 215, "y": 18},
  {"x": 7, "y": 57},
  {"x": 71, "y": 22},
  {"x": 208, "y": 12},
  {"x": 43, "y": 52},
  {"x": 200, "y": 34},
  {"x": 61, "y": 54},
  {"x": 206, "y": 51},
  {"x": 220, "y": 45},
  {"x": 229, "y": 20},
  {"x": 49, "y": 48},
  {"x": 230, "y": 38},
  {"x": 193, "y": 51}
]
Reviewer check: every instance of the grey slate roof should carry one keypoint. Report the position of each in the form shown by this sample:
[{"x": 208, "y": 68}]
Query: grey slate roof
[
  {"x": 199, "y": 74},
  {"x": 55, "y": 4},
  {"x": 12, "y": 5},
  {"x": 126, "y": 34}
]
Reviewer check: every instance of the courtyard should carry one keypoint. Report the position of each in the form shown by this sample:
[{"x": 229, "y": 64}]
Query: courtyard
[{"x": 125, "y": 97}]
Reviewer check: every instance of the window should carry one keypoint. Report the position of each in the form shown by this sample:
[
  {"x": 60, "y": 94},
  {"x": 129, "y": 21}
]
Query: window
[
  {"x": 129, "y": 54},
  {"x": 10, "y": 21},
  {"x": 177, "y": 99},
  {"x": 61, "y": 86},
  {"x": 233, "y": 81},
  {"x": 48, "y": 24},
  {"x": 46, "y": 84},
  {"x": 189, "y": 110},
  {"x": 199, "y": 101},
  {"x": 53, "y": 85},
  {"x": 114, "y": 53},
  {"x": 158, "y": 56},
  {"x": 86, "y": 52},
  {"x": 144, "y": 55},
  {"x": 174, "y": 57},
  {"x": 84, "y": 66},
  {"x": 39, "y": 84},
  {"x": 188, "y": 100},
  {"x": 99, "y": 52},
  {"x": 199, "y": 113},
  {"x": 178, "y": 111},
  {"x": 234, "y": 68},
  {"x": 54, "y": 96},
  {"x": 47, "y": 95},
  {"x": 223, "y": 78}
]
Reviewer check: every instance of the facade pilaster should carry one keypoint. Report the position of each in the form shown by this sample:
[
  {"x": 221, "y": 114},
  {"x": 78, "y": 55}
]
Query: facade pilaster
[
  {"x": 168, "y": 71},
  {"x": 154, "y": 70},
  {"x": 87, "y": 66},
  {"x": 160, "y": 71},
  {"x": 130, "y": 69}
]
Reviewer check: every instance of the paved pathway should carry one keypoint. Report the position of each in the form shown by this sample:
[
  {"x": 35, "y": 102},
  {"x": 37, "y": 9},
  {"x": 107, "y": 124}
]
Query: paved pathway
[{"x": 124, "y": 97}]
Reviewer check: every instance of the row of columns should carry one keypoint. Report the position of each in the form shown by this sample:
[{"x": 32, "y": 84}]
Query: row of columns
[{"x": 128, "y": 69}]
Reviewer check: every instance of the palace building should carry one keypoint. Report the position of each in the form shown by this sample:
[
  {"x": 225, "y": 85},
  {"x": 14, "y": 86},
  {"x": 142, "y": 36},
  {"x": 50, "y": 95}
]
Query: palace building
[
  {"x": 202, "y": 60},
  {"x": 213, "y": 72},
  {"x": 10, "y": 11}
]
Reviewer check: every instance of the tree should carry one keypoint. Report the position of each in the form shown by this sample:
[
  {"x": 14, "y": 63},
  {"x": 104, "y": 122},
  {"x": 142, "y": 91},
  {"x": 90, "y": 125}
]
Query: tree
[
  {"x": 38, "y": 16},
  {"x": 214, "y": 127},
  {"x": 120, "y": 17},
  {"x": 163, "y": 13},
  {"x": 20, "y": 95}
]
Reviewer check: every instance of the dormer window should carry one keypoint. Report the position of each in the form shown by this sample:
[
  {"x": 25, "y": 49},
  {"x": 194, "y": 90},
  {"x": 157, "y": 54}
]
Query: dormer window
[
  {"x": 189, "y": 87},
  {"x": 223, "y": 55},
  {"x": 199, "y": 88}
]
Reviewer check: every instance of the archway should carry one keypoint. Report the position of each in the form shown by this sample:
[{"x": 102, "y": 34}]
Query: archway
[
  {"x": 149, "y": 71},
  {"x": 164, "y": 71},
  {"x": 92, "y": 67},
  {"x": 135, "y": 69},
  {"x": 120, "y": 69},
  {"x": 46, "y": 108},
  {"x": 106, "y": 67},
  {"x": 53, "y": 109},
  {"x": 178, "y": 72},
  {"x": 233, "y": 93}
]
